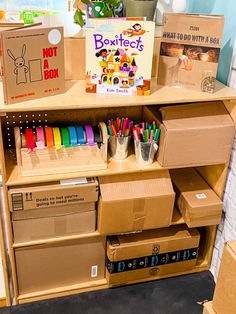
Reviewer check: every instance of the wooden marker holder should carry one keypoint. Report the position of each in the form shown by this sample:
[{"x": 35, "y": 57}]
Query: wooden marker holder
[{"x": 45, "y": 161}]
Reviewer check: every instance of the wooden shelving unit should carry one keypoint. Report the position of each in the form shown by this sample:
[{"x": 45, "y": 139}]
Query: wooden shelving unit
[{"x": 76, "y": 105}]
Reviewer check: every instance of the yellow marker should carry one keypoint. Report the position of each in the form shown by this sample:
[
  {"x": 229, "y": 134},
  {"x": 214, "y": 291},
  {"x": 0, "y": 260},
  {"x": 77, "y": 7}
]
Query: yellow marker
[{"x": 57, "y": 138}]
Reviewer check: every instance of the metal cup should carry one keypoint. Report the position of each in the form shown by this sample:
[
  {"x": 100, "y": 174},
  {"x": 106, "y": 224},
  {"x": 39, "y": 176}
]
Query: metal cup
[
  {"x": 145, "y": 152},
  {"x": 119, "y": 147}
]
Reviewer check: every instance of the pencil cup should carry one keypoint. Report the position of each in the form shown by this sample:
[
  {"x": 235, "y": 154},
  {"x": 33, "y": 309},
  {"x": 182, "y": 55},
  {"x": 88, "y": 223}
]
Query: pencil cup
[
  {"x": 145, "y": 152},
  {"x": 119, "y": 147}
]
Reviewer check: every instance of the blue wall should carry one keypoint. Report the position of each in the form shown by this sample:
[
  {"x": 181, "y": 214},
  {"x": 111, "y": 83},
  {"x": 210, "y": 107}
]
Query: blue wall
[{"x": 228, "y": 9}]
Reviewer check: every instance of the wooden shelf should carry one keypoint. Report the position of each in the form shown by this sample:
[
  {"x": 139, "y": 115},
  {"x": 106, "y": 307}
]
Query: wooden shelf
[
  {"x": 128, "y": 165},
  {"x": 63, "y": 291},
  {"x": 56, "y": 240},
  {"x": 76, "y": 98},
  {"x": 177, "y": 219}
]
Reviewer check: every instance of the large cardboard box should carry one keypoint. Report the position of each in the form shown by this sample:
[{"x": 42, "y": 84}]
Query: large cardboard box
[
  {"x": 50, "y": 266},
  {"x": 53, "y": 195},
  {"x": 208, "y": 308},
  {"x": 190, "y": 50},
  {"x": 224, "y": 300},
  {"x": 151, "y": 254},
  {"x": 53, "y": 222},
  {"x": 32, "y": 62},
  {"x": 197, "y": 202},
  {"x": 194, "y": 134},
  {"x": 135, "y": 202}
]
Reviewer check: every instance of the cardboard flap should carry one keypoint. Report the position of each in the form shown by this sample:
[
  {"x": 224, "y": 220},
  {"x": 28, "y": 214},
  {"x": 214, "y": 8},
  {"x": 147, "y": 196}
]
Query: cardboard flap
[
  {"x": 199, "y": 115},
  {"x": 133, "y": 186}
]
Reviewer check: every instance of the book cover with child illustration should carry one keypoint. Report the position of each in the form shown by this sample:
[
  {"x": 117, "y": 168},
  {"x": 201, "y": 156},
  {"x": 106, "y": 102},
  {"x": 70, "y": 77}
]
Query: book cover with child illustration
[{"x": 119, "y": 56}]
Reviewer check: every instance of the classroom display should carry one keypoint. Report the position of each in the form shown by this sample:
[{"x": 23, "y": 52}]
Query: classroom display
[
  {"x": 92, "y": 204},
  {"x": 119, "y": 56}
]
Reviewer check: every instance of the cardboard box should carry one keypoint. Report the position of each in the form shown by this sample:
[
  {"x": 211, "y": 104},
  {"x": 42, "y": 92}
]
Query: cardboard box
[
  {"x": 53, "y": 195},
  {"x": 224, "y": 301},
  {"x": 53, "y": 222},
  {"x": 190, "y": 50},
  {"x": 208, "y": 308},
  {"x": 197, "y": 202},
  {"x": 151, "y": 254},
  {"x": 135, "y": 202},
  {"x": 194, "y": 134},
  {"x": 33, "y": 63},
  {"x": 50, "y": 266}
]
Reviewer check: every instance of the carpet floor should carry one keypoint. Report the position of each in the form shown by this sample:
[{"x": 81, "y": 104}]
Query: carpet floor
[{"x": 179, "y": 295}]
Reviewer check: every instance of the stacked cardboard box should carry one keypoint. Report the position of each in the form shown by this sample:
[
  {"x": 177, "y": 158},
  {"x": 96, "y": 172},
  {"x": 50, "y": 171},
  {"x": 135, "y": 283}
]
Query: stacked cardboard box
[
  {"x": 197, "y": 202},
  {"x": 151, "y": 254},
  {"x": 47, "y": 211}
]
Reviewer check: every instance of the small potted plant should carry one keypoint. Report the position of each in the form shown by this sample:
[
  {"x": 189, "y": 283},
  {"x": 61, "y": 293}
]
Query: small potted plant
[
  {"x": 141, "y": 8},
  {"x": 96, "y": 9}
]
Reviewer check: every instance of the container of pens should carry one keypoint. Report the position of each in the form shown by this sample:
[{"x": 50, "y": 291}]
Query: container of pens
[
  {"x": 146, "y": 137},
  {"x": 119, "y": 131}
]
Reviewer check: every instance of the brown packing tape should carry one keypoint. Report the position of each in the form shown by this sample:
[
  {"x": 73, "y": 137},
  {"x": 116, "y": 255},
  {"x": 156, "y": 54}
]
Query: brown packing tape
[
  {"x": 60, "y": 225},
  {"x": 139, "y": 214}
]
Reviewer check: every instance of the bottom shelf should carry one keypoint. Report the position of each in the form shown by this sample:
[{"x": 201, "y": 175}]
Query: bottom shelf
[
  {"x": 3, "y": 302},
  {"x": 97, "y": 285}
]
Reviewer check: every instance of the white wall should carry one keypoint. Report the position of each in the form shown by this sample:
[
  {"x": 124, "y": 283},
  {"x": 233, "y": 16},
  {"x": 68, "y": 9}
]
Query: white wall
[{"x": 227, "y": 229}]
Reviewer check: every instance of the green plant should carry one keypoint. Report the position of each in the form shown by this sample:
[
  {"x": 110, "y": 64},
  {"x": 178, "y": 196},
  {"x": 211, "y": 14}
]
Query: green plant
[{"x": 107, "y": 9}]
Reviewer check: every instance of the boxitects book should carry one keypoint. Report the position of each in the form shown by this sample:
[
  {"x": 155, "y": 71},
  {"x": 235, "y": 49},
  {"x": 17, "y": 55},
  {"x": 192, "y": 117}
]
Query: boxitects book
[
  {"x": 32, "y": 63},
  {"x": 119, "y": 56}
]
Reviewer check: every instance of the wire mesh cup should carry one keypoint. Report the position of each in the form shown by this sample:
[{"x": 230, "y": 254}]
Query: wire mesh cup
[
  {"x": 119, "y": 147},
  {"x": 145, "y": 152}
]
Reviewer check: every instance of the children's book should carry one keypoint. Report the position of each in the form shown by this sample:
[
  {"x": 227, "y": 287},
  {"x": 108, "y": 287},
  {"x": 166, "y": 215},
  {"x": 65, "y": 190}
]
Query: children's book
[
  {"x": 119, "y": 56},
  {"x": 32, "y": 62}
]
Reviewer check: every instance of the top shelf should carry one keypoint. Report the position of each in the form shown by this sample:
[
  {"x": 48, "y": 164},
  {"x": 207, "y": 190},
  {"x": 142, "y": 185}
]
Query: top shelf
[{"x": 75, "y": 97}]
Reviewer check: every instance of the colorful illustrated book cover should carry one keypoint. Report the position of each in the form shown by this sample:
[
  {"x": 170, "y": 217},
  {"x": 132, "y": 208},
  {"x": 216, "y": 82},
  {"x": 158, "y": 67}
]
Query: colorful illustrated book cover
[
  {"x": 119, "y": 56},
  {"x": 190, "y": 51},
  {"x": 32, "y": 62}
]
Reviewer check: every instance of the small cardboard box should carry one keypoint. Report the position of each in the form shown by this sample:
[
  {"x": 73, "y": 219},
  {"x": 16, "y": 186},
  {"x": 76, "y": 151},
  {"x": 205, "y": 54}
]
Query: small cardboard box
[
  {"x": 135, "y": 202},
  {"x": 208, "y": 308},
  {"x": 224, "y": 301},
  {"x": 194, "y": 134},
  {"x": 151, "y": 254},
  {"x": 50, "y": 266},
  {"x": 197, "y": 202},
  {"x": 33, "y": 63},
  {"x": 53, "y": 222},
  {"x": 190, "y": 50},
  {"x": 53, "y": 195}
]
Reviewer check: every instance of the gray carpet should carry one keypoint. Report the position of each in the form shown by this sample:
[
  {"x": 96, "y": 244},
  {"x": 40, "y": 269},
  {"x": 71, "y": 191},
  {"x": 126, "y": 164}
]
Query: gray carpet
[{"x": 179, "y": 295}]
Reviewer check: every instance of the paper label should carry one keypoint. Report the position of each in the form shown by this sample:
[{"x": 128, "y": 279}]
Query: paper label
[
  {"x": 201, "y": 196},
  {"x": 94, "y": 271},
  {"x": 74, "y": 181}
]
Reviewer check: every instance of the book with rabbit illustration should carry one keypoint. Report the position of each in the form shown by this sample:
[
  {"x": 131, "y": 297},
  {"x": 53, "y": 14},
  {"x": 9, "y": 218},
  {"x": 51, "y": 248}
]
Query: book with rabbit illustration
[
  {"x": 32, "y": 62},
  {"x": 190, "y": 50},
  {"x": 119, "y": 56}
]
